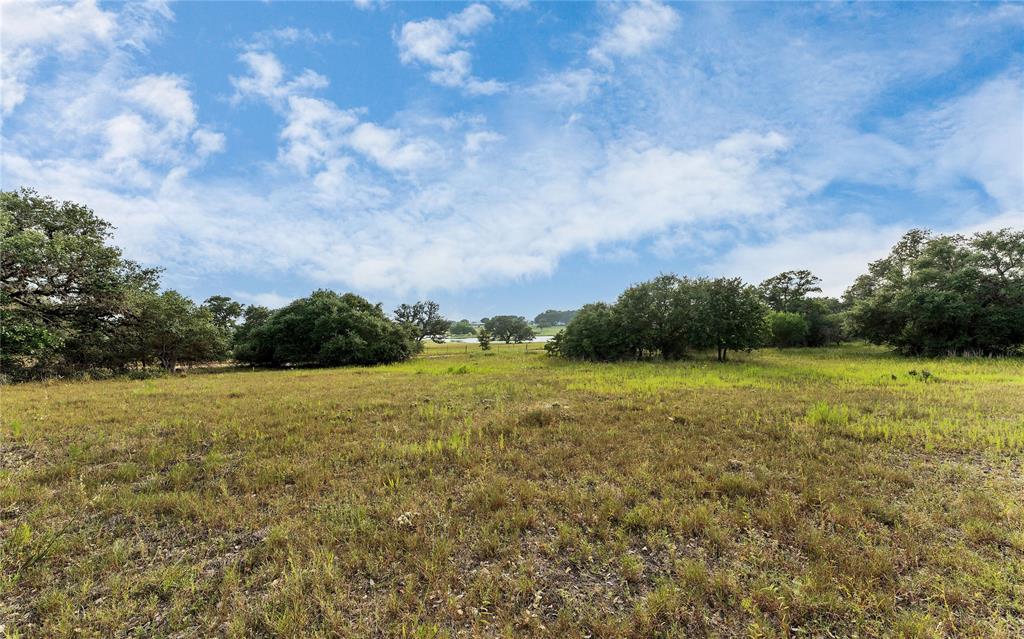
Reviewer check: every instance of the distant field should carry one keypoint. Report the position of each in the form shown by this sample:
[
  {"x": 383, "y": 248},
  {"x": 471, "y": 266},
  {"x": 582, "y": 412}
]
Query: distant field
[
  {"x": 549, "y": 330},
  {"x": 506, "y": 494}
]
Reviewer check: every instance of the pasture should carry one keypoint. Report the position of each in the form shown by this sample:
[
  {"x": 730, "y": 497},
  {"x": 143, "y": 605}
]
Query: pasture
[{"x": 830, "y": 492}]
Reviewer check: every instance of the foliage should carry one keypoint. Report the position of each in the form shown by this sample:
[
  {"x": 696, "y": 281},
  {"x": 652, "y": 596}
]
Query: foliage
[
  {"x": 787, "y": 329},
  {"x": 509, "y": 328},
  {"x": 462, "y": 327},
  {"x": 657, "y": 317},
  {"x": 937, "y": 295},
  {"x": 253, "y": 316},
  {"x": 551, "y": 317},
  {"x": 787, "y": 291},
  {"x": 424, "y": 319},
  {"x": 64, "y": 290},
  {"x": 172, "y": 329},
  {"x": 595, "y": 333},
  {"x": 225, "y": 312},
  {"x": 483, "y": 337},
  {"x": 667, "y": 316},
  {"x": 325, "y": 329},
  {"x": 730, "y": 316}
]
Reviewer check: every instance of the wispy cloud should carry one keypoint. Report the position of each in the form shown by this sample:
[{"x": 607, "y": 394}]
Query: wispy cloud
[
  {"x": 636, "y": 28},
  {"x": 664, "y": 130}
]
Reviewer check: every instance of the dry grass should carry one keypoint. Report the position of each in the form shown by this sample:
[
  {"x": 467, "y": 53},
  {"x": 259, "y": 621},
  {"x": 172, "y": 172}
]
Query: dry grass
[{"x": 818, "y": 493}]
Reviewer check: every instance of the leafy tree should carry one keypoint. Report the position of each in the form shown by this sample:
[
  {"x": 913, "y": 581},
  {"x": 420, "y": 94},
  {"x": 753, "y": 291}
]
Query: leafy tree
[
  {"x": 824, "y": 316},
  {"x": 484, "y": 338},
  {"x": 326, "y": 329},
  {"x": 424, "y": 319},
  {"x": 462, "y": 327},
  {"x": 551, "y": 317},
  {"x": 936, "y": 295},
  {"x": 730, "y": 316},
  {"x": 63, "y": 290},
  {"x": 657, "y": 316},
  {"x": 509, "y": 328},
  {"x": 595, "y": 333},
  {"x": 787, "y": 291},
  {"x": 173, "y": 330},
  {"x": 788, "y": 329},
  {"x": 553, "y": 347},
  {"x": 225, "y": 312},
  {"x": 243, "y": 345}
]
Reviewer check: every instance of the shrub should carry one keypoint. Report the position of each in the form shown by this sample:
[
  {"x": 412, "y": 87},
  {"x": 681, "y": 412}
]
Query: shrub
[{"x": 787, "y": 329}]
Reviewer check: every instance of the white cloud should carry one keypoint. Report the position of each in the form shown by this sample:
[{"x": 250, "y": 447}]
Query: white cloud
[
  {"x": 978, "y": 136},
  {"x": 387, "y": 148},
  {"x": 208, "y": 142},
  {"x": 266, "y": 79},
  {"x": 270, "y": 299},
  {"x": 637, "y": 27},
  {"x": 568, "y": 88},
  {"x": 313, "y": 133},
  {"x": 165, "y": 96},
  {"x": 31, "y": 31},
  {"x": 477, "y": 140},
  {"x": 442, "y": 44},
  {"x": 837, "y": 254}
]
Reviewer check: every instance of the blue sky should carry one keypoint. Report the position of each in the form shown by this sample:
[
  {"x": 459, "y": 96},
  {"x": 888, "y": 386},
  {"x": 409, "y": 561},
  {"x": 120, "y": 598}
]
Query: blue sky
[{"x": 512, "y": 157}]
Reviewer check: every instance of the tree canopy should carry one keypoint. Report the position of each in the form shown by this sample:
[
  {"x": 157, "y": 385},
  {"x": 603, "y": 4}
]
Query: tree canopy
[
  {"x": 462, "y": 327},
  {"x": 509, "y": 328},
  {"x": 665, "y": 317},
  {"x": 63, "y": 290},
  {"x": 424, "y": 320},
  {"x": 945, "y": 294},
  {"x": 324, "y": 329},
  {"x": 551, "y": 317}
]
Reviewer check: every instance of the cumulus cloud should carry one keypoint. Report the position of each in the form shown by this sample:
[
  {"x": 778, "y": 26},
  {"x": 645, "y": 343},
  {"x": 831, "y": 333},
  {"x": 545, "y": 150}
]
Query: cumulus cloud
[
  {"x": 443, "y": 46},
  {"x": 389, "y": 149},
  {"x": 314, "y": 132},
  {"x": 636, "y": 27}
]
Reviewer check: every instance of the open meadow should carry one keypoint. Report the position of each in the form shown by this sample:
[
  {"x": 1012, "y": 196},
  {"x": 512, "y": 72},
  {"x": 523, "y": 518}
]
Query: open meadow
[{"x": 827, "y": 492}]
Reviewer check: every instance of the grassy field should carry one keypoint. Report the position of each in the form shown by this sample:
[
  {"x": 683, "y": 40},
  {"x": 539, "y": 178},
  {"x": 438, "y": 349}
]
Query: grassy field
[{"x": 800, "y": 493}]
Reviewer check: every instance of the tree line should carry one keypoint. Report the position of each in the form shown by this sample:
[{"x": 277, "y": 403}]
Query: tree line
[
  {"x": 70, "y": 302},
  {"x": 932, "y": 295}
]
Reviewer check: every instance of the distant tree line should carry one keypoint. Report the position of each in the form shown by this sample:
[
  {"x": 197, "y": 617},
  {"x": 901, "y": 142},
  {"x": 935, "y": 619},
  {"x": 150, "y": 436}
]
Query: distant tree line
[
  {"x": 933, "y": 295},
  {"x": 508, "y": 328},
  {"x": 667, "y": 317},
  {"x": 70, "y": 302},
  {"x": 552, "y": 317}
]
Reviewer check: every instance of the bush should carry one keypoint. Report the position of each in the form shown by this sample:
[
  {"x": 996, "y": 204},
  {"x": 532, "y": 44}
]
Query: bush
[
  {"x": 788, "y": 329},
  {"x": 326, "y": 329}
]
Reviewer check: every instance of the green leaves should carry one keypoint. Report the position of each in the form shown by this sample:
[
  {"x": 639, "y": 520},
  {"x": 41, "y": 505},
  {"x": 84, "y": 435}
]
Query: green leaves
[{"x": 937, "y": 295}]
